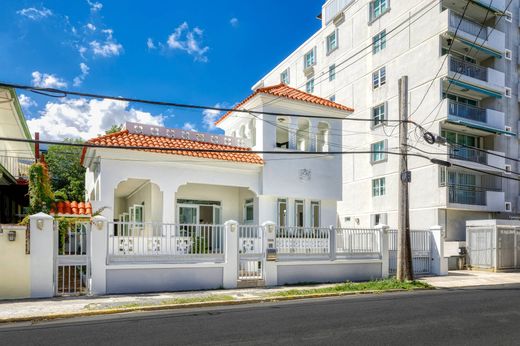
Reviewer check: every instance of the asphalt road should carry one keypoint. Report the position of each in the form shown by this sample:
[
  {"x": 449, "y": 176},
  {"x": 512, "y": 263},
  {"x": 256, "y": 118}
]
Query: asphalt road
[{"x": 484, "y": 316}]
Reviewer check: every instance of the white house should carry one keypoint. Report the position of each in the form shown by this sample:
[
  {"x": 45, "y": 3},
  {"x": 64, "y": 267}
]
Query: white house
[{"x": 180, "y": 186}]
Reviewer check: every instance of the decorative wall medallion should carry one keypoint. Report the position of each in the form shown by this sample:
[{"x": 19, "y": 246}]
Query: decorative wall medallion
[{"x": 305, "y": 174}]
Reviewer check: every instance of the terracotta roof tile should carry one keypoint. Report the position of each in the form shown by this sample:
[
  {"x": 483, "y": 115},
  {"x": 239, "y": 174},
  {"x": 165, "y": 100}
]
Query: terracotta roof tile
[
  {"x": 282, "y": 90},
  {"x": 126, "y": 139}
]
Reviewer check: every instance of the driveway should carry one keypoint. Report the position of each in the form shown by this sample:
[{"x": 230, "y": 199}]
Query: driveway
[{"x": 468, "y": 278}]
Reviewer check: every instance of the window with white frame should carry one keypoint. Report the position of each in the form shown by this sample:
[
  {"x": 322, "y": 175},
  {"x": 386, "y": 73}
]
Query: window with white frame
[
  {"x": 332, "y": 42},
  {"x": 378, "y": 8},
  {"x": 377, "y": 151},
  {"x": 332, "y": 98},
  {"x": 379, "y": 42},
  {"x": 379, "y": 78},
  {"x": 282, "y": 212},
  {"x": 315, "y": 214},
  {"x": 249, "y": 210},
  {"x": 285, "y": 76},
  {"x": 309, "y": 58},
  {"x": 299, "y": 213},
  {"x": 332, "y": 72},
  {"x": 378, "y": 115},
  {"x": 309, "y": 87},
  {"x": 378, "y": 187}
]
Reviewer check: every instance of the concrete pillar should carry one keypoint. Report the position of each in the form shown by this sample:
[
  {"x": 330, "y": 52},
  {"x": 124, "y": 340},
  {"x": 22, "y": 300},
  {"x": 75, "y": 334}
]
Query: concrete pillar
[
  {"x": 169, "y": 205},
  {"x": 270, "y": 267},
  {"x": 332, "y": 239},
  {"x": 43, "y": 247},
  {"x": 384, "y": 248},
  {"x": 439, "y": 262},
  {"x": 98, "y": 255},
  {"x": 230, "y": 279},
  {"x": 293, "y": 129}
]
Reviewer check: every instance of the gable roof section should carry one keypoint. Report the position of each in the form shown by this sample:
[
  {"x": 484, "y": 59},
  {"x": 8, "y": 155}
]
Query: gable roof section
[
  {"x": 175, "y": 147},
  {"x": 285, "y": 91}
]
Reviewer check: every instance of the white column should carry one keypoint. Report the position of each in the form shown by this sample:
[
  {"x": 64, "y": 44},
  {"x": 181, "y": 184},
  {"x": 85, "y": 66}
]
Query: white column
[
  {"x": 43, "y": 247},
  {"x": 313, "y": 138},
  {"x": 169, "y": 205},
  {"x": 270, "y": 267},
  {"x": 98, "y": 255},
  {"x": 439, "y": 262},
  {"x": 332, "y": 239},
  {"x": 292, "y": 126},
  {"x": 230, "y": 279},
  {"x": 384, "y": 247}
]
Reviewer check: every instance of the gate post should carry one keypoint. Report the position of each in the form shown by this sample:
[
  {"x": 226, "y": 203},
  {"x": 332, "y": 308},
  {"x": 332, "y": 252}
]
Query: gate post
[
  {"x": 270, "y": 267},
  {"x": 43, "y": 247},
  {"x": 230, "y": 272},
  {"x": 439, "y": 263},
  {"x": 98, "y": 255},
  {"x": 384, "y": 247}
]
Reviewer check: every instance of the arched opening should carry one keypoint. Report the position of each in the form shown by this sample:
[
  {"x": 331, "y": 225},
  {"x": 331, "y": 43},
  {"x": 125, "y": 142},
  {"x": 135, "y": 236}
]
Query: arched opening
[
  {"x": 302, "y": 135},
  {"x": 242, "y": 132},
  {"x": 322, "y": 137},
  {"x": 252, "y": 132},
  {"x": 282, "y": 132}
]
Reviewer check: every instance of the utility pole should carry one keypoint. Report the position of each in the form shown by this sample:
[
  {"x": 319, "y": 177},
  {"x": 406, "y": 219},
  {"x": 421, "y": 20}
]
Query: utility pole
[{"x": 404, "y": 252}]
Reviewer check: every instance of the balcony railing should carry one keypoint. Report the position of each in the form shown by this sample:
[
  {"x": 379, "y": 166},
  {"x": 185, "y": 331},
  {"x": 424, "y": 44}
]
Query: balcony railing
[
  {"x": 18, "y": 167},
  {"x": 466, "y": 111},
  {"x": 468, "y": 69},
  {"x": 468, "y": 26},
  {"x": 468, "y": 154},
  {"x": 466, "y": 194}
]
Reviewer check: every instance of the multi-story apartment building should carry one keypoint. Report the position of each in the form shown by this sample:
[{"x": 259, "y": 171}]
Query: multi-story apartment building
[{"x": 462, "y": 62}]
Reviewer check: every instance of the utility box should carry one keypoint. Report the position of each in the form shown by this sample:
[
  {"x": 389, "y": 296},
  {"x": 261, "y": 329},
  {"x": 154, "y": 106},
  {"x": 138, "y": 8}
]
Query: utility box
[{"x": 493, "y": 244}]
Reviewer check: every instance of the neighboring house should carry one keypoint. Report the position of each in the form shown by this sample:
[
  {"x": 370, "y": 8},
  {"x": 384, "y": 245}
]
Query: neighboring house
[
  {"x": 470, "y": 97},
  {"x": 15, "y": 158},
  {"x": 196, "y": 187}
]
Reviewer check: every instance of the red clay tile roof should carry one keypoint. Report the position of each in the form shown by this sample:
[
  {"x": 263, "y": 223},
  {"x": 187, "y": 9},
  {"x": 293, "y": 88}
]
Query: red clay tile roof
[
  {"x": 282, "y": 90},
  {"x": 72, "y": 208},
  {"x": 178, "y": 146}
]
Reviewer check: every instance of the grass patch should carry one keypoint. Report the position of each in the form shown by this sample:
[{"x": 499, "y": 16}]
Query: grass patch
[{"x": 377, "y": 285}]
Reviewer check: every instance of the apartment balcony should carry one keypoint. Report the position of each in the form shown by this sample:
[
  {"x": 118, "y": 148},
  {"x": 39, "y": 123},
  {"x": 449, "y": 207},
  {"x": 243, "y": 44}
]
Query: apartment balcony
[
  {"x": 14, "y": 169},
  {"x": 475, "y": 198},
  {"x": 474, "y": 80},
  {"x": 480, "y": 121},
  {"x": 484, "y": 41},
  {"x": 477, "y": 159}
]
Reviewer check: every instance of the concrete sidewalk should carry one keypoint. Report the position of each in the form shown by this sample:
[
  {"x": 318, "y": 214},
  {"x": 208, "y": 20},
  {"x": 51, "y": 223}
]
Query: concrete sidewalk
[{"x": 469, "y": 278}]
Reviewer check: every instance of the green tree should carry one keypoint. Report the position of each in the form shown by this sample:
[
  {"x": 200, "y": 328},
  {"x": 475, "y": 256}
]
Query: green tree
[
  {"x": 65, "y": 170},
  {"x": 114, "y": 129}
]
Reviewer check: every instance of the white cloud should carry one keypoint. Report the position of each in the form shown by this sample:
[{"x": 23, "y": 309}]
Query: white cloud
[
  {"x": 234, "y": 22},
  {"x": 91, "y": 26},
  {"x": 45, "y": 80},
  {"x": 210, "y": 116},
  {"x": 26, "y": 102},
  {"x": 34, "y": 13},
  {"x": 107, "y": 48},
  {"x": 94, "y": 5},
  {"x": 82, "y": 50},
  {"x": 189, "y": 41},
  {"x": 150, "y": 44},
  {"x": 189, "y": 127},
  {"x": 84, "y": 73},
  {"x": 83, "y": 118}
]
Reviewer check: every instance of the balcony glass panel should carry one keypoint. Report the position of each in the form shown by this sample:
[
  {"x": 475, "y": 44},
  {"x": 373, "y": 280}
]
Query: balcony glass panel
[
  {"x": 465, "y": 111},
  {"x": 468, "y": 26},
  {"x": 468, "y": 154},
  {"x": 468, "y": 69},
  {"x": 470, "y": 195}
]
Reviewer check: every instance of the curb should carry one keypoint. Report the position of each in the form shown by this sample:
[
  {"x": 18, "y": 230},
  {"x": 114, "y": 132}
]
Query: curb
[{"x": 145, "y": 308}]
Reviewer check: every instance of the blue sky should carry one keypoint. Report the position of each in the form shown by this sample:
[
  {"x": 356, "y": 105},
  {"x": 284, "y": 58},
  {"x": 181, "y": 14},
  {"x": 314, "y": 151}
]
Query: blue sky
[{"x": 199, "y": 52}]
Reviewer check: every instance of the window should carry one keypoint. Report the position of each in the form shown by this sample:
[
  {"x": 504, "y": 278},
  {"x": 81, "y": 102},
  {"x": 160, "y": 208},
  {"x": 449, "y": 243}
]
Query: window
[
  {"x": 508, "y": 54},
  {"x": 282, "y": 133},
  {"x": 509, "y": 16},
  {"x": 299, "y": 214},
  {"x": 379, "y": 114},
  {"x": 282, "y": 212},
  {"x": 378, "y": 187},
  {"x": 322, "y": 137},
  {"x": 379, "y": 42},
  {"x": 377, "y": 149},
  {"x": 379, "y": 78},
  {"x": 508, "y": 207},
  {"x": 309, "y": 87},
  {"x": 310, "y": 58},
  {"x": 249, "y": 210},
  {"x": 315, "y": 214},
  {"x": 332, "y": 42},
  {"x": 332, "y": 72},
  {"x": 303, "y": 135},
  {"x": 377, "y": 219},
  {"x": 332, "y": 98},
  {"x": 285, "y": 77},
  {"x": 508, "y": 92},
  {"x": 378, "y": 8}
]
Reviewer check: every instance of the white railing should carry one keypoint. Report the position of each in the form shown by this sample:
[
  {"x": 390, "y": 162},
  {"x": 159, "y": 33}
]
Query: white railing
[
  {"x": 18, "y": 167},
  {"x": 302, "y": 240},
  {"x": 167, "y": 242},
  {"x": 421, "y": 251},
  {"x": 358, "y": 242}
]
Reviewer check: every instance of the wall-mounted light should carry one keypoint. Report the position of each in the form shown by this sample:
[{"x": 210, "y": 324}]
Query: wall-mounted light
[
  {"x": 11, "y": 236},
  {"x": 99, "y": 225},
  {"x": 233, "y": 227},
  {"x": 39, "y": 224}
]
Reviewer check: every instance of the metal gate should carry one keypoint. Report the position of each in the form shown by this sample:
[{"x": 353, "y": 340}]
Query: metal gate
[
  {"x": 72, "y": 258},
  {"x": 250, "y": 252},
  {"x": 508, "y": 246},
  {"x": 421, "y": 251}
]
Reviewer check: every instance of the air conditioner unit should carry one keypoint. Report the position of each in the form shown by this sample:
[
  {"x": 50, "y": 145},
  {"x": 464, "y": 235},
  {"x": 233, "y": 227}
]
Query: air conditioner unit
[
  {"x": 309, "y": 71},
  {"x": 339, "y": 19}
]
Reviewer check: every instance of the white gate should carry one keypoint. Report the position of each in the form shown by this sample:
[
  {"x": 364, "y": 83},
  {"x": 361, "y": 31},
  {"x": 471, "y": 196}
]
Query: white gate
[
  {"x": 508, "y": 248},
  {"x": 250, "y": 252},
  {"x": 421, "y": 251},
  {"x": 72, "y": 259}
]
